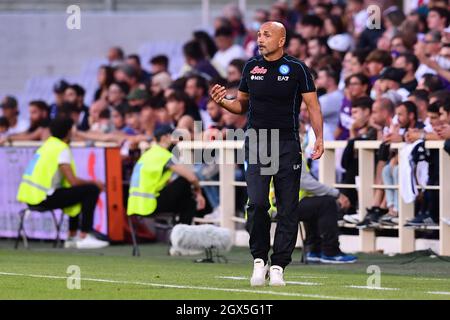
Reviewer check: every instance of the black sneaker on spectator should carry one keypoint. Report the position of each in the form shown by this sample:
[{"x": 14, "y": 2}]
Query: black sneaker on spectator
[
  {"x": 371, "y": 218},
  {"x": 388, "y": 220},
  {"x": 421, "y": 220}
]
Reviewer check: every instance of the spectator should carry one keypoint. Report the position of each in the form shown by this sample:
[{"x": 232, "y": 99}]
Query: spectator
[
  {"x": 159, "y": 63},
  {"x": 227, "y": 50},
  {"x": 183, "y": 111},
  {"x": 427, "y": 49},
  {"x": 142, "y": 75},
  {"x": 309, "y": 27},
  {"x": 196, "y": 88},
  {"x": 234, "y": 70},
  {"x": 353, "y": 63},
  {"x": 317, "y": 48},
  {"x": 390, "y": 80},
  {"x": 421, "y": 99},
  {"x": 298, "y": 47},
  {"x": 115, "y": 56},
  {"x": 117, "y": 92},
  {"x": 328, "y": 80},
  {"x": 437, "y": 19},
  {"x": 208, "y": 45},
  {"x": 127, "y": 74},
  {"x": 58, "y": 90},
  {"x": 137, "y": 97},
  {"x": 11, "y": 113},
  {"x": 74, "y": 94},
  {"x": 160, "y": 83},
  {"x": 409, "y": 63},
  {"x": 196, "y": 60},
  {"x": 132, "y": 119},
  {"x": 4, "y": 126},
  {"x": 376, "y": 61},
  {"x": 430, "y": 82},
  {"x": 105, "y": 77},
  {"x": 356, "y": 86}
]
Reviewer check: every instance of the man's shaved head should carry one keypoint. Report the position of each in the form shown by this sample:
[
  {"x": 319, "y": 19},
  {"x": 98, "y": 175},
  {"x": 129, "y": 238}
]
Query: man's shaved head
[{"x": 271, "y": 39}]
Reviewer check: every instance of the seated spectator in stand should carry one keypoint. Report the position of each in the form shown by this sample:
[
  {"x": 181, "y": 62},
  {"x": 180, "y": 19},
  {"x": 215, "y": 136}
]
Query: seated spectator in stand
[
  {"x": 353, "y": 63},
  {"x": 159, "y": 63},
  {"x": 38, "y": 111},
  {"x": 183, "y": 111},
  {"x": 11, "y": 112},
  {"x": 376, "y": 61},
  {"x": 105, "y": 77},
  {"x": 129, "y": 75},
  {"x": 58, "y": 90},
  {"x": 115, "y": 56},
  {"x": 359, "y": 130},
  {"x": 132, "y": 119},
  {"x": 317, "y": 49},
  {"x": 134, "y": 61},
  {"x": 94, "y": 114},
  {"x": 420, "y": 98},
  {"x": 356, "y": 86},
  {"x": 118, "y": 120},
  {"x": 137, "y": 97},
  {"x": 196, "y": 88},
  {"x": 438, "y": 19},
  {"x": 444, "y": 116},
  {"x": 425, "y": 50},
  {"x": 74, "y": 94},
  {"x": 196, "y": 60},
  {"x": 328, "y": 80},
  {"x": 390, "y": 80},
  {"x": 117, "y": 93},
  {"x": 227, "y": 50},
  {"x": 297, "y": 47},
  {"x": 234, "y": 70},
  {"x": 159, "y": 173},
  {"x": 4, "y": 126},
  {"x": 430, "y": 82},
  {"x": 159, "y": 84},
  {"x": 409, "y": 63},
  {"x": 309, "y": 26},
  {"x": 53, "y": 170}
]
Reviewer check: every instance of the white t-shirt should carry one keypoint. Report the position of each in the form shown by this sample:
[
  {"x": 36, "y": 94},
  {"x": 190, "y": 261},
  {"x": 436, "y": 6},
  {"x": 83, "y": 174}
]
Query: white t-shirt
[
  {"x": 21, "y": 126},
  {"x": 65, "y": 157},
  {"x": 222, "y": 59}
]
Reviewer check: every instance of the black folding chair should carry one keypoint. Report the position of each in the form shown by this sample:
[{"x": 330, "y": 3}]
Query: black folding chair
[{"x": 21, "y": 231}]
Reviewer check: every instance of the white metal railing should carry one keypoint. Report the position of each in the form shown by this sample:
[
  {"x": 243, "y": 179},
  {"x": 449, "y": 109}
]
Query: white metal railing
[{"x": 365, "y": 186}]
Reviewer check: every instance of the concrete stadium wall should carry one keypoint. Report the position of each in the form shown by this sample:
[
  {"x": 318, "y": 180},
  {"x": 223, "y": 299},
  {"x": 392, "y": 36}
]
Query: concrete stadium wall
[{"x": 41, "y": 45}]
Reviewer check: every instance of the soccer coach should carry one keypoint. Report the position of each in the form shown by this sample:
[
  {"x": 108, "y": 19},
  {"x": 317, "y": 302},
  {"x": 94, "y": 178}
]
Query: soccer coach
[{"x": 272, "y": 87}]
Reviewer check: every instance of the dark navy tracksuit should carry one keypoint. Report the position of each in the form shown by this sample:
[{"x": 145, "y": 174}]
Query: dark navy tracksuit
[{"x": 275, "y": 94}]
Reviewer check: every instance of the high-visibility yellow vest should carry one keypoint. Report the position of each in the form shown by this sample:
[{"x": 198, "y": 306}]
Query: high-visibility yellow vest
[
  {"x": 272, "y": 200},
  {"x": 37, "y": 180},
  {"x": 148, "y": 179}
]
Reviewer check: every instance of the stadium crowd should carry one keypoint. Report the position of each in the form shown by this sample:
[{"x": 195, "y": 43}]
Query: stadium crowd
[{"x": 389, "y": 83}]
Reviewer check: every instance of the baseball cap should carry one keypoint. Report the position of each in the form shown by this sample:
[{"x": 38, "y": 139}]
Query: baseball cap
[
  {"x": 391, "y": 73},
  {"x": 163, "y": 129},
  {"x": 340, "y": 42},
  {"x": 9, "y": 102},
  {"x": 138, "y": 94},
  {"x": 60, "y": 86}
]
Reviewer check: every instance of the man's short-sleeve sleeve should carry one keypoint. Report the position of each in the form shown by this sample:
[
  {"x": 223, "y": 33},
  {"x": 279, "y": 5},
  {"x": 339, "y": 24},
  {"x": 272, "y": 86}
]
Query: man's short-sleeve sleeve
[
  {"x": 305, "y": 79},
  {"x": 243, "y": 85},
  {"x": 65, "y": 157}
]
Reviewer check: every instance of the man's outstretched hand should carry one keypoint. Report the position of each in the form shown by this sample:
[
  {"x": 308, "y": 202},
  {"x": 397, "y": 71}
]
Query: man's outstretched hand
[{"x": 218, "y": 93}]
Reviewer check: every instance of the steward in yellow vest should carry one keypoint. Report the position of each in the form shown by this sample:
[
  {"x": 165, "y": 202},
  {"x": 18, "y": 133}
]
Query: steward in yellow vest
[
  {"x": 50, "y": 182},
  {"x": 160, "y": 184}
]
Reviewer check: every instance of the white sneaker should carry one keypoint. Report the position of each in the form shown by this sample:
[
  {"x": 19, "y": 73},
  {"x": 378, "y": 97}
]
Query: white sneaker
[
  {"x": 259, "y": 273},
  {"x": 91, "y": 242},
  {"x": 352, "y": 218},
  {"x": 71, "y": 242},
  {"x": 276, "y": 276}
]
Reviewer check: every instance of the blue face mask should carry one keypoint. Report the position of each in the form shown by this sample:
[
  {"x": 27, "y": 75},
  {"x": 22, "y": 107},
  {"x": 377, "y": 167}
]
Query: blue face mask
[
  {"x": 255, "y": 25},
  {"x": 395, "y": 53}
]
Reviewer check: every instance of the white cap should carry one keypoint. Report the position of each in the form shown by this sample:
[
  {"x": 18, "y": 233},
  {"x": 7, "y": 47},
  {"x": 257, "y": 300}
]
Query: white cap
[{"x": 340, "y": 42}]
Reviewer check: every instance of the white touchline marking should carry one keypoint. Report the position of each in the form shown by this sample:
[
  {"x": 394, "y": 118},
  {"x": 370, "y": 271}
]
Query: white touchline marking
[
  {"x": 274, "y": 293},
  {"x": 431, "y": 279},
  {"x": 287, "y": 282},
  {"x": 439, "y": 292},
  {"x": 307, "y": 277},
  {"x": 371, "y": 288}
]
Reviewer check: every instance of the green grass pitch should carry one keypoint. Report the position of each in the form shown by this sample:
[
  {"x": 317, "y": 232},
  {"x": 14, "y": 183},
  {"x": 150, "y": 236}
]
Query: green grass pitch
[{"x": 112, "y": 273}]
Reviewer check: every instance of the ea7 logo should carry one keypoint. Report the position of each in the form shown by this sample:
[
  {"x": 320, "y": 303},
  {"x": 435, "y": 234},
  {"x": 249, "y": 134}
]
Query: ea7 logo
[
  {"x": 296, "y": 166},
  {"x": 283, "y": 78}
]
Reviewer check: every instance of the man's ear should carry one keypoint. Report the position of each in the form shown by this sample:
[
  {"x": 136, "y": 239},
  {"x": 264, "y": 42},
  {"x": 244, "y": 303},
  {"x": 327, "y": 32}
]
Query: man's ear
[{"x": 282, "y": 42}]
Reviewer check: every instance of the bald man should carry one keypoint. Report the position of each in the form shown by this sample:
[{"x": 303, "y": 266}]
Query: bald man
[{"x": 271, "y": 91}]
